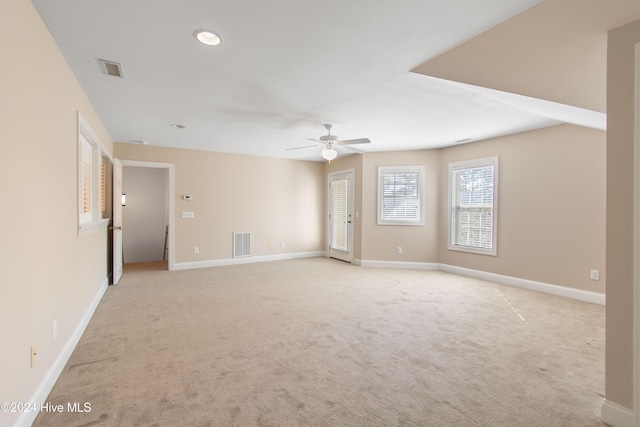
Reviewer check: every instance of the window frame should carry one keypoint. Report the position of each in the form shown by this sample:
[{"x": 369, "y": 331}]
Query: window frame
[
  {"x": 472, "y": 164},
  {"x": 420, "y": 170},
  {"x": 93, "y": 219}
]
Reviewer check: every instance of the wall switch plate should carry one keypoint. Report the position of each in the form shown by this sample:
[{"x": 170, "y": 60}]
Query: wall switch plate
[
  {"x": 282, "y": 244},
  {"x": 54, "y": 330},
  {"x": 187, "y": 215},
  {"x": 196, "y": 250},
  {"x": 399, "y": 250},
  {"x": 595, "y": 274}
]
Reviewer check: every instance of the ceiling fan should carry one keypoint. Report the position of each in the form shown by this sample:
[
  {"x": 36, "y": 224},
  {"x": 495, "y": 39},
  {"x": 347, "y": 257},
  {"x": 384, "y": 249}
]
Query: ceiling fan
[{"x": 329, "y": 141}]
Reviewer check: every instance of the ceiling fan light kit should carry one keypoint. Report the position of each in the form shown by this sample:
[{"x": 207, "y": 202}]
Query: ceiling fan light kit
[{"x": 329, "y": 152}]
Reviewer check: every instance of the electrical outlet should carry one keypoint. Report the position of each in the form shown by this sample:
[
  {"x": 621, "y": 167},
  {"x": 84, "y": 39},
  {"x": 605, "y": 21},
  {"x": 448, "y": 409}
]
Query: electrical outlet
[
  {"x": 399, "y": 250},
  {"x": 34, "y": 355},
  {"x": 196, "y": 250},
  {"x": 269, "y": 245},
  {"x": 282, "y": 244},
  {"x": 595, "y": 274},
  {"x": 54, "y": 330}
]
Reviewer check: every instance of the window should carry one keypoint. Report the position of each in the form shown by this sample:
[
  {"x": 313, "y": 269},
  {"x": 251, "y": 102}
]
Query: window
[
  {"x": 92, "y": 175},
  {"x": 473, "y": 205},
  {"x": 86, "y": 151},
  {"x": 400, "y": 195},
  {"x": 103, "y": 185}
]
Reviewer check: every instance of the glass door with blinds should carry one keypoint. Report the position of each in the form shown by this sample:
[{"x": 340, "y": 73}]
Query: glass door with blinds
[{"x": 341, "y": 215}]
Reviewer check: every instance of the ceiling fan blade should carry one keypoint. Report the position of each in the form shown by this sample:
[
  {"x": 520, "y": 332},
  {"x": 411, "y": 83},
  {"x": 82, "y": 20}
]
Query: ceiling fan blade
[
  {"x": 350, "y": 149},
  {"x": 354, "y": 141},
  {"x": 316, "y": 140},
  {"x": 298, "y": 148}
]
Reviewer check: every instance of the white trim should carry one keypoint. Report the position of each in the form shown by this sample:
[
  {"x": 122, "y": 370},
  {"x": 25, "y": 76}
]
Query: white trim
[
  {"x": 616, "y": 415},
  {"x": 475, "y": 163},
  {"x": 563, "y": 291},
  {"x": 351, "y": 177},
  {"x": 90, "y": 227},
  {"x": 172, "y": 203},
  {"x": 420, "y": 169},
  {"x": 42, "y": 392},
  {"x": 250, "y": 260},
  {"x": 85, "y": 129}
]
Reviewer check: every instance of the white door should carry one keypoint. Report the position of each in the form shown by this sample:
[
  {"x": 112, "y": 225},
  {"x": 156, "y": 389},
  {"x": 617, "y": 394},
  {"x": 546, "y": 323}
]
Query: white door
[
  {"x": 117, "y": 221},
  {"x": 341, "y": 216}
]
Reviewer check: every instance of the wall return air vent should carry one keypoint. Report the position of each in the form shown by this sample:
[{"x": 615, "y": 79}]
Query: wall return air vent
[
  {"x": 111, "y": 68},
  {"x": 241, "y": 244}
]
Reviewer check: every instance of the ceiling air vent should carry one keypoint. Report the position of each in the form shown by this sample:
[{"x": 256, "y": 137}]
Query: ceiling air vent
[{"x": 111, "y": 68}]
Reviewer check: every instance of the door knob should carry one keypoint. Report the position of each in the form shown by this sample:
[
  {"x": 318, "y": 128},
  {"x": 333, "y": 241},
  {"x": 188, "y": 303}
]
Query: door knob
[{"x": 117, "y": 227}]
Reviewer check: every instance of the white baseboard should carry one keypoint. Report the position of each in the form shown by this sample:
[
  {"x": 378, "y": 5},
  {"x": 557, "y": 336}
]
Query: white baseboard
[
  {"x": 616, "y": 415},
  {"x": 244, "y": 260},
  {"x": 49, "y": 380},
  {"x": 563, "y": 291},
  {"x": 578, "y": 294}
]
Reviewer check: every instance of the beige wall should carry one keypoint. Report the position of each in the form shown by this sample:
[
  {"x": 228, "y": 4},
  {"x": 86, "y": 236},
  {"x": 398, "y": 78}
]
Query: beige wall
[
  {"x": 551, "y": 225},
  {"x": 276, "y": 200},
  {"x": 620, "y": 152},
  {"x": 379, "y": 242},
  {"x": 551, "y": 212},
  {"x": 47, "y": 272}
]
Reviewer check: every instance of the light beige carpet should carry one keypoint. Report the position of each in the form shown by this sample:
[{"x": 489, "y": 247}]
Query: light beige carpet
[{"x": 318, "y": 342}]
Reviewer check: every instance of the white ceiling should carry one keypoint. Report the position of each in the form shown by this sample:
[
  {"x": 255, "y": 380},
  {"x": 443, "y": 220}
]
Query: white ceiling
[{"x": 285, "y": 67}]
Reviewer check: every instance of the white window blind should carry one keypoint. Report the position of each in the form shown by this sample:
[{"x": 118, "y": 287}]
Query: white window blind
[
  {"x": 339, "y": 214},
  {"x": 92, "y": 175},
  {"x": 400, "y": 195},
  {"x": 103, "y": 184},
  {"x": 473, "y": 205},
  {"x": 85, "y": 172}
]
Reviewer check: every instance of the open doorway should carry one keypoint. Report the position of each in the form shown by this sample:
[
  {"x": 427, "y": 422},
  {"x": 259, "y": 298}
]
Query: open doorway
[{"x": 147, "y": 213}]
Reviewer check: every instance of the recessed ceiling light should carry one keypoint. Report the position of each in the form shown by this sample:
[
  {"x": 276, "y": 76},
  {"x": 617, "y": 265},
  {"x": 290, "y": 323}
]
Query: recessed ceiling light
[
  {"x": 207, "y": 37},
  {"x": 177, "y": 126}
]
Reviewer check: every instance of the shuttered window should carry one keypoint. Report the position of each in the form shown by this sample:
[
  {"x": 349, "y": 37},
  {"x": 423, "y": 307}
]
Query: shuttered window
[
  {"x": 103, "y": 184},
  {"x": 85, "y": 171},
  {"x": 400, "y": 195},
  {"x": 473, "y": 205},
  {"x": 92, "y": 176}
]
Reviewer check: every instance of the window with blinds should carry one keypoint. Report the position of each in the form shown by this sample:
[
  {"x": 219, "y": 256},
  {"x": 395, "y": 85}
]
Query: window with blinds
[
  {"x": 92, "y": 179},
  {"x": 339, "y": 214},
  {"x": 103, "y": 184},
  {"x": 85, "y": 171},
  {"x": 400, "y": 195},
  {"x": 473, "y": 205}
]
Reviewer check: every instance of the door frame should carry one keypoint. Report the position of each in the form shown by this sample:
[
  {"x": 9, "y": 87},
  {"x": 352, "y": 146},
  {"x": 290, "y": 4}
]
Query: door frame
[
  {"x": 170, "y": 195},
  {"x": 350, "y": 210}
]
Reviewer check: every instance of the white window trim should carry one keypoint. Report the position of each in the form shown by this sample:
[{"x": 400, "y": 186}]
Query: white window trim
[
  {"x": 472, "y": 164},
  {"x": 87, "y": 224},
  {"x": 402, "y": 169}
]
